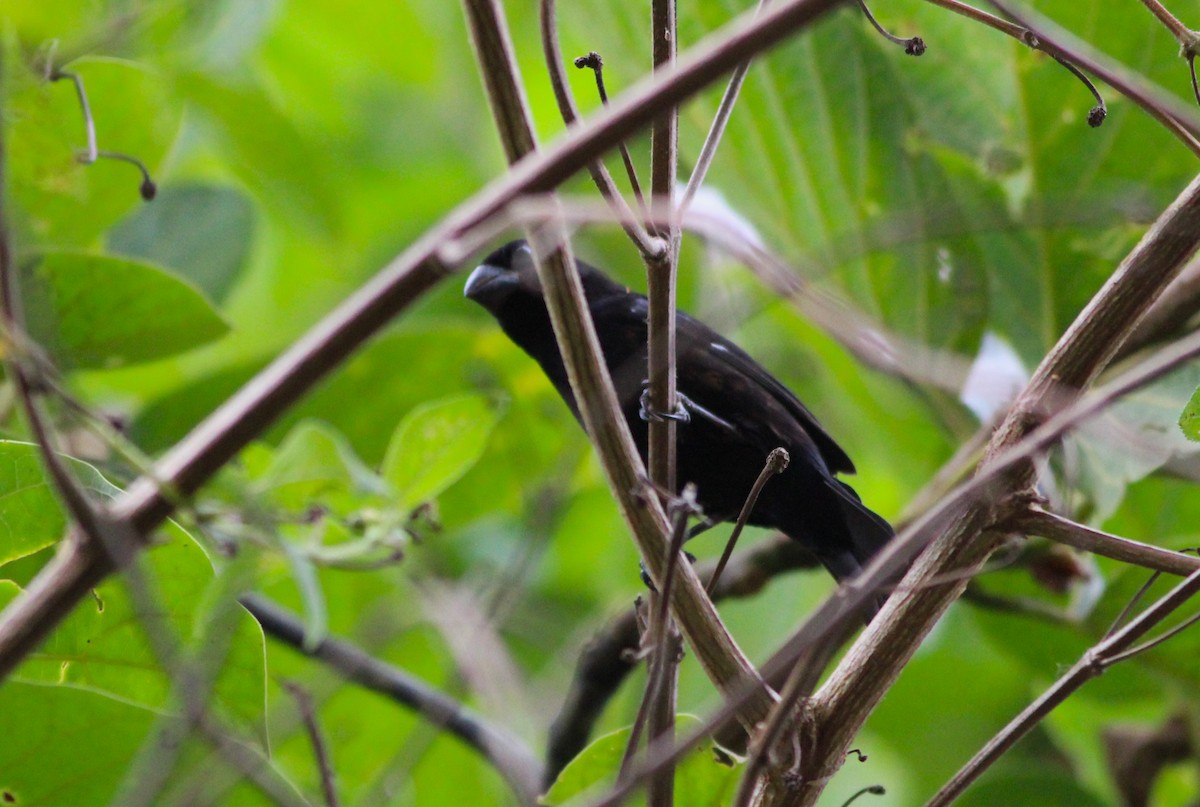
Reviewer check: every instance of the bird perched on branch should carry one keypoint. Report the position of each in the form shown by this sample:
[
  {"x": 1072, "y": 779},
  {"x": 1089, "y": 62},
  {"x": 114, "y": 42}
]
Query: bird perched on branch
[{"x": 733, "y": 412}]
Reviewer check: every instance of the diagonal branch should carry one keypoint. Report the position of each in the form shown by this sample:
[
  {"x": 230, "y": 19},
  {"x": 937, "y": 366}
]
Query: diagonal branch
[
  {"x": 506, "y": 753},
  {"x": 874, "y": 662},
  {"x": 636, "y": 231},
  {"x": 1115, "y": 648},
  {"x": 1037, "y": 521},
  {"x": 1041, "y": 34}
]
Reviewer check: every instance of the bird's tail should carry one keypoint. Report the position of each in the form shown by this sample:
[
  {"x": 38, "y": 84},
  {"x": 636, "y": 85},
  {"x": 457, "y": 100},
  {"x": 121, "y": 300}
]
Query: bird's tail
[{"x": 867, "y": 533}]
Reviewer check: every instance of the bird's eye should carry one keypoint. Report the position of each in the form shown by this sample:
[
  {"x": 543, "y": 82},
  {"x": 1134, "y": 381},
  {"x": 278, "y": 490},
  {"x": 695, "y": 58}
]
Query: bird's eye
[{"x": 523, "y": 264}]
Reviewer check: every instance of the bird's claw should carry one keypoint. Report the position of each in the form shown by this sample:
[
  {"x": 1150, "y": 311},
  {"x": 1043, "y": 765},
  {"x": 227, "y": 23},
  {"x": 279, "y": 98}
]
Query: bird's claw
[
  {"x": 648, "y": 413},
  {"x": 645, "y": 573}
]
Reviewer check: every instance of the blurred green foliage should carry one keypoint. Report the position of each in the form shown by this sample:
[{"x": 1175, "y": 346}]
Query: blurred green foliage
[{"x": 298, "y": 146}]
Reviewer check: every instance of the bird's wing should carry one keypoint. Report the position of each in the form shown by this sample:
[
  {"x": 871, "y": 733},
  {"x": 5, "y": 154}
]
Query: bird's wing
[
  {"x": 625, "y": 314},
  {"x": 693, "y": 333}
]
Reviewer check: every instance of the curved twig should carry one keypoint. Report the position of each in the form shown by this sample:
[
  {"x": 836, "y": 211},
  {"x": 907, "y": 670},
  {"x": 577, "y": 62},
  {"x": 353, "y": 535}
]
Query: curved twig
[
  {"x": 913, "y": 46},
  {"x": 646, "y": 243},
  {"x": 1036, "y": 31},
  {"x": 507, "y": 753}
]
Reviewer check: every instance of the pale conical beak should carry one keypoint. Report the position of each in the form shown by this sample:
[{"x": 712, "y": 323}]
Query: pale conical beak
[{"x": 480, "y": 279}]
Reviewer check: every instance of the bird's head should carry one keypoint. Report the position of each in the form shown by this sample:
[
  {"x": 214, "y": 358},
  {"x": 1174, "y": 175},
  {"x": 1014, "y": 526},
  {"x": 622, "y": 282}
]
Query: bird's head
[{"x": 505, "y": 272}]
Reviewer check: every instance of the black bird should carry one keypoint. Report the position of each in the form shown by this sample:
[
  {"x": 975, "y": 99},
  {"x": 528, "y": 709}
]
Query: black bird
[{"x": 737, "y": 412}]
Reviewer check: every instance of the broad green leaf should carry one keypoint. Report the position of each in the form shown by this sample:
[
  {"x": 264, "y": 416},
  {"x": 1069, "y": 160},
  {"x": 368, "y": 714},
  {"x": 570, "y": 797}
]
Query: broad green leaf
[
  {"x": 63, "y": 745},
  {"x": 102, "y": 645},
  {"x": 200, "y": 232},
  {"x": 96, "y": 311},
  {"x": 316, "y": 464},
  {"x": 1189, "y": 418},
  {"x": 58, "y": 201},
  {"x": 700, "y": 779},
  {"x": 30, "y": 516},
  {"x": 67, "y": 746},
  {"x": 1133, "y": 438},
  {"x": 435, "y": 444}
]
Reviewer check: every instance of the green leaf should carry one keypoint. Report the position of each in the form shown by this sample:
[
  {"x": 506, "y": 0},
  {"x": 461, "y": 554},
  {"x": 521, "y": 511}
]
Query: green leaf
[
  {"x": 316, "y": 463},
  {"x": 1133, "y": 438},
  {"x": 96, "y": 311},
  {"x": 1189, "y": 418},
  {"x": 700, "y": 779},
  {"x": 42, "y": 761},
  {"x": 31, "y": 516},
  {"x": 316, "y": 612},
  {"x": 435, "y": 445},
  {"x": 200, "y": 232},
  {"x": 101, "y": 646},
  {"x": 58, "y": 201}
]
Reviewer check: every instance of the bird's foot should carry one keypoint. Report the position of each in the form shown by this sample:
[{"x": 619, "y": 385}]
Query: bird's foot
[
  {"x": 645, "y": 573},
  {"x": 648, "y": 413}
]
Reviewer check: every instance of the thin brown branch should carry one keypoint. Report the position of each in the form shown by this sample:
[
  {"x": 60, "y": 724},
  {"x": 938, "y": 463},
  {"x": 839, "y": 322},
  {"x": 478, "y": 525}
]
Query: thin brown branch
[
  {"x": 661, "y": 276},
  {"x": 777, "y": 462},
  {"x": 308, "y": 716},
  {"x": 660, "y": 273},
  {"x": 1164, "y": 107},
  {"x": 1095, "y": 661},
  {"x": 1037, "y": 521},
  {"x": 662, "y": 641},
  {"x": 507, "y": 753},
  {"x": 593, "y": 61},
  {"x": 636, "y": 230},
  {"x": 1188, "y": 39}
]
